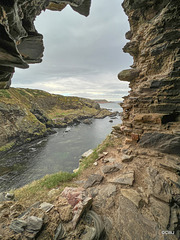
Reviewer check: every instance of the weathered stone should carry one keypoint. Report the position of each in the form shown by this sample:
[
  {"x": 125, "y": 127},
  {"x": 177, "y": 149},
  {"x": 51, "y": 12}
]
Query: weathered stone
[
  {"x": 132, "y": 224},
  {"x": 46, "y": 206},
  {"x": 108, "y": 190},
  {"x": 128, "y": 75},
  {"x": 18, "y": 225},
  {"x": 127, "y": 158},
  {"x": 111, "y": 168},
  {"x": 133, "y": 196},
  {"x": 10, "y": 196},
  {"x": 93, "y": 179},
  {"x": 80, "y": 202},
  {"x": 161, "y": 211},
  {"x": 109, "y": 159},
  {"x": 6, "y": 196},
  {"x": 170, "y": 165},
  {"x": 158, "y": 186},
  {"x": 167, "y": 143},
  {"x": 73, "y": 195},
  {"x": 34, "y": 224},
  {"x": 87, "y": 153},
  {"x": 124, "y": 178}
]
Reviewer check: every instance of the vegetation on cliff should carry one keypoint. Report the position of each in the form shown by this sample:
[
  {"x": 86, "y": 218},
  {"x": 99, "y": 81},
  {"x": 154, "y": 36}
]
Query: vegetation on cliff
[{"x": 27, "y": 114}]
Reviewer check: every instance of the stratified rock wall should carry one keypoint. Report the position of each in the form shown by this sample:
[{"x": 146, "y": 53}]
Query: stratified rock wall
[
  {"x": 153, "y": 104},
  {"x": 20, "y": 43}
]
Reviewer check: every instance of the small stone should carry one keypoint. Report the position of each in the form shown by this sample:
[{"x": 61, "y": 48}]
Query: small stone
[
  {"x": 76, "y": 170},
  {"x": 111, "y": 168},
  {"x": 135, "y": 137},
  {"x": 126, "y": 179},
  {"x": 126, "y": 158},
  {"x": 87, "y": 153},
  {"x": 9, "y": 196},
  {"x": 93, "y": 179},
  {"x": 18, "y": 225},
  {"x": 105, "y": 153},
  {"x": 95, "y": 163},
  {"x": 133, "y": 196},
  {"x": 110, "y": 159},
  {"x": 46, "y": 206},
  {"x": 34, "y": 224}
]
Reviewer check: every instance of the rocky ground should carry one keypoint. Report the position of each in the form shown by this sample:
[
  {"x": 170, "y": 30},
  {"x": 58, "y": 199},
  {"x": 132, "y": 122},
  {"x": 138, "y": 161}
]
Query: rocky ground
[{"x": 127, "y": 193}]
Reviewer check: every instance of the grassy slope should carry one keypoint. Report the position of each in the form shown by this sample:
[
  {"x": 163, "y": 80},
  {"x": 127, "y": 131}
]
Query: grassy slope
[{"x": 26, "y": 114}]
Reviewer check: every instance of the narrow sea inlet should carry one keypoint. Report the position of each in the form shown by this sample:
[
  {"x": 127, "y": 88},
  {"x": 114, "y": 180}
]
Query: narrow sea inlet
[{"x": 58, "y": 152}]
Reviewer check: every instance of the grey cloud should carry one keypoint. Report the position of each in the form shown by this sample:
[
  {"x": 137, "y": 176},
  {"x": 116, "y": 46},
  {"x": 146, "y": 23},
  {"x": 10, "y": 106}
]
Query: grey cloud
[{"x": 80, "y": 53}]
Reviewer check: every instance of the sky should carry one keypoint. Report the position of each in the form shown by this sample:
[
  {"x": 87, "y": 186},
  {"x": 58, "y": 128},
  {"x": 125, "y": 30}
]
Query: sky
[{"x": 83, "y": 55}]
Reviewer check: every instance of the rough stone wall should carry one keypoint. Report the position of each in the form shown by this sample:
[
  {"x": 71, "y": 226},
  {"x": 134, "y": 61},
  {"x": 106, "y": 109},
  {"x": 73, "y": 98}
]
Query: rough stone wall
[{"x": 152, "y": 109}]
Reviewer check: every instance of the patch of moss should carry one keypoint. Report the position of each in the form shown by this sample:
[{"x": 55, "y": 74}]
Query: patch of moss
[{"x": 7, "y": 146}]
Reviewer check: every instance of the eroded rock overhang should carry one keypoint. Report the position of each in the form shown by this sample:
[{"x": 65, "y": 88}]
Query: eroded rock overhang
[
  {"x": 20, "y": 42},
  {"x": 151, "y": 112}
]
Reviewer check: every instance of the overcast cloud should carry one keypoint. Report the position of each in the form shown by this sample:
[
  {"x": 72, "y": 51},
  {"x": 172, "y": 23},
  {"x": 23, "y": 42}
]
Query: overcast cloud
[{"x": 82, "y": 55}]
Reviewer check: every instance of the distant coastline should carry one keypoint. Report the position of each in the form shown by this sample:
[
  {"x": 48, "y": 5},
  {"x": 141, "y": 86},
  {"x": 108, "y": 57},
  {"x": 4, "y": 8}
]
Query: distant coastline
[{"x": 101, "y": 101}]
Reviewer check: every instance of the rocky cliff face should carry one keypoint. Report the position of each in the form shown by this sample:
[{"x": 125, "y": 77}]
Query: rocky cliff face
[
  {"x": 136, "y": 188},
  {"x": 152, "y": 109},
  {"x": 27, "y": 114}
]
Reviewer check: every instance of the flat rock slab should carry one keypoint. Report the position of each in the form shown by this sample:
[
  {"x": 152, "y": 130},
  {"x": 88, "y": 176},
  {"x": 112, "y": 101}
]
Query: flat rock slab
[
  {"x": 111, "y": 168},
  {"x": 34, "y": 223},
  {"x": 93, "y": 179},
  {"x": 46, "y": 206},
  {"x": 108, "y": 190},
  {"x": 110, "y": 159},
  {"x": 18, "y": 225},
  {"x": 170, "y": 166},
  {"x": 126, "y": 158},
  {"x": 87, "y": 153},
  {"x": 132, "y": 195},
  {"x": 125, "y": 178}
]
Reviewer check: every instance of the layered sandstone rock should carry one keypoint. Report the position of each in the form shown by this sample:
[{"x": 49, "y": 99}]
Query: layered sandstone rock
[{"x": 153, "y": 104}]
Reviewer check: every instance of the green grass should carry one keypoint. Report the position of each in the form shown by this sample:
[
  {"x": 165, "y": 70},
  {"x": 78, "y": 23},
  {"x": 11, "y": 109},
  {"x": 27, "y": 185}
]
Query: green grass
[
  {"x": 52, "y": 181},
  {"x": 4, "y": 93}
]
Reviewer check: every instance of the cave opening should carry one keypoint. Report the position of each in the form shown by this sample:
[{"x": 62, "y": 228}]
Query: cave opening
[{"x": 82, "y": 55}]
